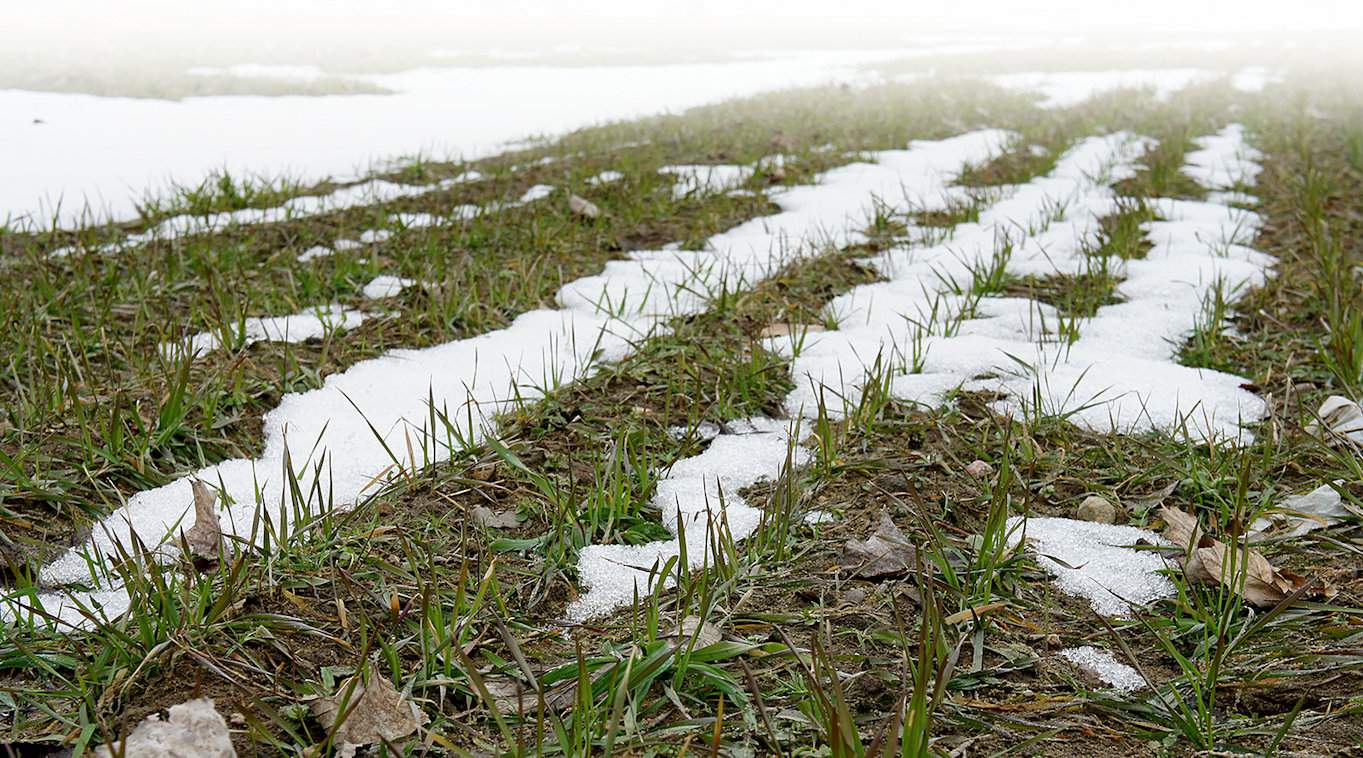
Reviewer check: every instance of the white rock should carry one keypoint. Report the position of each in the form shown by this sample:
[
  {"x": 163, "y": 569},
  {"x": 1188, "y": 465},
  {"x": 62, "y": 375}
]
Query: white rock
[{"x": 194, "y": 729}]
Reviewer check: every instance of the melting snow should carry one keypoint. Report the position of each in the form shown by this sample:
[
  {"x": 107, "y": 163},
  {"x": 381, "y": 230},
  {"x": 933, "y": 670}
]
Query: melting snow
[
  {"x": 1097, "y": 562},
  {"x": 333, "y": 444},
  {"x": 699, "y": 501},
  {"x": 64, "y": 168},
  {"x": 705, "y": 178},
  {"x": 1065, "y": 88},
  {"x": 1116, "y": 371},
  {"x": 385, "y": 285},
  {"x": 1223, "y": 160},
  {"x": 1105, "y": 666},
  {"x": 605, "y": 177},
  {"x": 298, "y": 327}
]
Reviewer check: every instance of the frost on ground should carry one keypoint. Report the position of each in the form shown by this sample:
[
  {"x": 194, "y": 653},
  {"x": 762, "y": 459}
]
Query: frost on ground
[
  {"x": 1105, "y": 666},
  {"x": 1097, "y": 562},
  {"x": 329, "y": 434}
]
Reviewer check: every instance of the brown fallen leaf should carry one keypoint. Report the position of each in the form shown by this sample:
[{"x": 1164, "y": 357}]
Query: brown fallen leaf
[
  {"x": 583, "y": 207},
  {"x": 1338, "y": 419},
  {"x": 1210, "y": 561},
  {"x": 205, "y": 537},
  {"x": 513, "y": 697},
  {"x": 704, "y": 633},
  {"x": 375, "y": 713},
  {"x": 887, "y": 551},
  {"x": 486, "y": 517},
  {"x": 789, "y": 330}
]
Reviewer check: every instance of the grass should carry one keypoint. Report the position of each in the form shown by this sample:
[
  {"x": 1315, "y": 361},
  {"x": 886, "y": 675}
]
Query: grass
[{"x": 769, "y": 649}]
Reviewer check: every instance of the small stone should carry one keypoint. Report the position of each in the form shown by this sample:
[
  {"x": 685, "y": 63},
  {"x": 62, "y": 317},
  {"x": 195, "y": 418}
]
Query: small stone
[
  {"x": 979, "y": 469},
  {"x": 1098, "y": 510},
  {"x": 583, "y": 207}
]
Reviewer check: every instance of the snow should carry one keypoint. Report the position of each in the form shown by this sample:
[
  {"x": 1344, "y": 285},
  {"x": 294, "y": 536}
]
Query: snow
[
  {"x": 700, "y": 503},
  {"x": 1223, "y": 160},
  {"x": 62, "y": 169},
  {"x": 1062, "y": 89},
  {"x": 371, "y": 192},
  {"x": 1096, "y": 562},
  {"x": 315, "y": 252},
  {"x": 341, "y": 437},
  {"x": 314, "y": 323},
  {"x": 385, "y": 285},
  {"x": 605, "y": 177},
  {"x": 1115, "y": 371},
  {"x": 706, "y": 178},
  {"x": 537, "y": 192},
  {"x": 1105, "y": 666}
]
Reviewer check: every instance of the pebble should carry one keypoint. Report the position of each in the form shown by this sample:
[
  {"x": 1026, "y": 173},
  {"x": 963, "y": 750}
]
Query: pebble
[{"x": 1098, "y": 510}]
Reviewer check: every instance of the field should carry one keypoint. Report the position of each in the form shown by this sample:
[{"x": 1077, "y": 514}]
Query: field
[{"x": 830, "y": 422}]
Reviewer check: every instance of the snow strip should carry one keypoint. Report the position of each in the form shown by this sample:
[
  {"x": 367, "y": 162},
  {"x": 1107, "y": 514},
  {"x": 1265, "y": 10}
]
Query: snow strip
[
  {"x": 755, "y": 449},
  {"x": 706, "y": 178},
  {"x": 1045, "y": 226},
  {"x": 1105, "y": 666},
  {"x": 298, "y": 327},
  {"x": 700, "y": 503},
  {"x": 1223, "y": 161},
  {"x": 1114, "y": 372},
  {"x": 372, "y": 192},
  {"x": 1062, "y": 89},
  {"x": 347, "y": 436},
  {"x": 1096, "y": 562}
]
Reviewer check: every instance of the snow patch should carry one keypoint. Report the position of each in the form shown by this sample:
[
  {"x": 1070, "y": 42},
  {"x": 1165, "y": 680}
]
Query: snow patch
[
  {"x": 705, "y": 178},
  {"x": 1105, "y": 666},
  {"x": 1097, "y": 562},
  {"x": 386, "y": 285},
  {"x": 298, "y": 327}
]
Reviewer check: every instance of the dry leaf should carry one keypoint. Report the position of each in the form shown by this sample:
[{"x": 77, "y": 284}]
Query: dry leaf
[
  {"x": 511, "y": 696},
  {"x": 205, "y": 536},
  {"x": 1209, "y": 561},
  {"x": 193, "y": 728},
  {"x": 885, "y": 552},
  {"x": 1299, "y": 514},
  {"x": 790, "y": 330},
  {"x": 583, "y": 207},
  {"x": 1338, "y": 418},
  {"x": 704, "y": 633},
  {"x": 374, "y": 714},
  {"x": 486, "y": 517}
]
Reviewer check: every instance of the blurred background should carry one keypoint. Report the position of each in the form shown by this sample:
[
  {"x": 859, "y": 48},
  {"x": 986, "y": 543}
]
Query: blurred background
[{"x": 103, "y": 104}]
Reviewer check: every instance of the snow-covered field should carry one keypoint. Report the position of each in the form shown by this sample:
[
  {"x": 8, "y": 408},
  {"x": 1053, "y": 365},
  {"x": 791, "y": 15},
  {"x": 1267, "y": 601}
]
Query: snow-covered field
[{"x": 77, "y": 158}]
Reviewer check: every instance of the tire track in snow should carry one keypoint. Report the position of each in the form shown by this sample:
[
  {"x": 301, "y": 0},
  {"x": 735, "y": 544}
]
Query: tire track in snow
[{"x": 410, "y": 408}]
